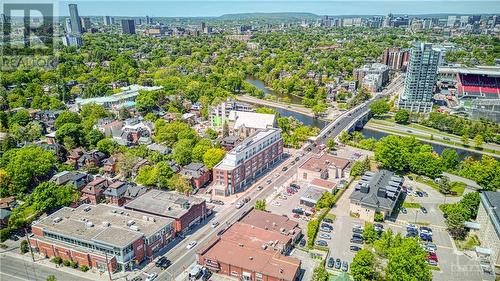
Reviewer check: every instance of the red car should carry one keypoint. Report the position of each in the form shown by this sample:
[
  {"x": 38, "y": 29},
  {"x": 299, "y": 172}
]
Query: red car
[{"x": 432, "y": 256}]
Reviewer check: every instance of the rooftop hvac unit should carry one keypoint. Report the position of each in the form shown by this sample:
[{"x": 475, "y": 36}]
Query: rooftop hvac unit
[
  {"x": 130, "y": 222},
  {"x": 89, "y": 224},
  {"x": 87, "y": 209},
  {"x": 105, "y": 223},
  {"x": 58, "y": 219},
  {"x": 134, "y": 227}
]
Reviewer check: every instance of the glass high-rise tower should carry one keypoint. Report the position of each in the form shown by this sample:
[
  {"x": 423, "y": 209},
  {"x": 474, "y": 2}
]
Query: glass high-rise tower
[
  {"x": 421, "y": 78},
  {"x": 76, "y": 24}
]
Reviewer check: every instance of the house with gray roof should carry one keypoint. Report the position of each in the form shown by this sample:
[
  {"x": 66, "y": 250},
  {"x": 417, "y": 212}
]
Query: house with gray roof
[{"x": 376, "y": 193}]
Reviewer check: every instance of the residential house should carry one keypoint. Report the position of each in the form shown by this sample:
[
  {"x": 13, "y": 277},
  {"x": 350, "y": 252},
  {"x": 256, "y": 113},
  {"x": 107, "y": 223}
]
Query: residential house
[
  {"x": 93, "y": 192},
  {"x": 90, "y": 159},
  {"x": 73, "y": 178},
  {"x": 141, "y": 163},
  {"x": 164, "y": 150},
  {"x": 133, "y": 191},
  {"x": 109, "y": 165},
  {"x": 197, "y": 174},
  {"x": 115, "y": 192}
]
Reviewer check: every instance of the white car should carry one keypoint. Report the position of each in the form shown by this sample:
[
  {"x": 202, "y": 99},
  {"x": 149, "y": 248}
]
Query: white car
[
  {"x": 276, "y": 203},
  {"x": 152, "y": 276},
  {"x": 215, "y": 224},
  {"x": 191, "y": 245}
]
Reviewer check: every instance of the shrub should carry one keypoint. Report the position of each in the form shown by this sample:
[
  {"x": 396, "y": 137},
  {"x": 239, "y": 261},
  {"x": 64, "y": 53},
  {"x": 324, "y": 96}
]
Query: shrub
[
  {"x": 67, "y": 262},
  {"x": 73, "y": 264},
  {"x": 312, "y": 230},
  {"x": 57, "y": 260},
  {"x": 84, "y": 268},
  {"x": 379, "y": 217},
  {"x": 51, "y": 278},
  {"x": 4, "y": 234},
  {"x": 24, "y": 247}
]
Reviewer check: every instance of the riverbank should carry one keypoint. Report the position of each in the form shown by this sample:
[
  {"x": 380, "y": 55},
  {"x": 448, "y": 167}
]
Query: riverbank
[
  {"x": 290, "y": 107},
  {"x": 410, "y": 133}
]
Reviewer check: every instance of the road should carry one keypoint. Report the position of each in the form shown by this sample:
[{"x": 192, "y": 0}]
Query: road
[
  {"x": 16, "y": 269},
  {"x": 182, "y": 258}
]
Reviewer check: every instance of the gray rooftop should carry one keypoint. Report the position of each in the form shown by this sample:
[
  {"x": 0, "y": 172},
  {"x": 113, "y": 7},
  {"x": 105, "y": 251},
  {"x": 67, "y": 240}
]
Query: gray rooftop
[
  {"x": 102, "y": 223},
  {"x": 312, "y": 195},
  {"x": 377, "y": 190},
  {"x": 163, "y": 203},
  {"x": 491, "y": 203}
]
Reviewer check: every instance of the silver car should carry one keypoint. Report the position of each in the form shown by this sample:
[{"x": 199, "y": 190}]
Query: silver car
[{"x": 325, "y": 236}]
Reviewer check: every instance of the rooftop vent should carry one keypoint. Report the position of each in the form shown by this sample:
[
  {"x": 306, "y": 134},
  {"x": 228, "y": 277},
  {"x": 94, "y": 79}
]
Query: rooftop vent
[
  {"x": 134, "y": 227},
  {"x": 89, "y": 224},
  {"x": 58, "y": 219},
  {"x": 105, "y": 223},
  {"x": 130, "y": 222},
  {"x": 87, "y": 209},
  {"x": 250, "y": 258}
]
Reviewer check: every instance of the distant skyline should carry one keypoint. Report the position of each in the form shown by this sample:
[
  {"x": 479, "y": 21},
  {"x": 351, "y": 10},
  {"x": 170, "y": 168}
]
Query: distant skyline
[{"x": 215, "y": 8}]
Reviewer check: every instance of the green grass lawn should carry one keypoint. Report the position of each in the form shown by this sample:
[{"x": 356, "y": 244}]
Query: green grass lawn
[
  {"x": 409, "y": 205},
  {"x": 457, "y": 187},
  {"x": 330, "y": 216}
]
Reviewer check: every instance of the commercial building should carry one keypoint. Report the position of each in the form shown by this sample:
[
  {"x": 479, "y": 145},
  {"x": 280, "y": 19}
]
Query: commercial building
[
  {"x": 376, "y": 193},
  {"x": 243, "y": 124},
  {"x": 488, "y": 217},
  {"x": 76, "y": 24},
  {"x": 311, "y": 196},
  {"x": 254, "y": 249},
  {"x": 247, "y": 161},
  {"x": 108, "y": 20},
  {"x": 395, "y": 58},
  {"x": 86, "y": 24},
  {"x": 219, "y": 114},
  {"x": 186, "y": 211},
  {"x": 101, "y": 236},
  {"x": 125, "y": 98},
  {"x": 128, "y": 26},
  {"x": 421, "y": 78},
  {"x": 377, "y": 73},
  {"x": 324, "y": 166}
]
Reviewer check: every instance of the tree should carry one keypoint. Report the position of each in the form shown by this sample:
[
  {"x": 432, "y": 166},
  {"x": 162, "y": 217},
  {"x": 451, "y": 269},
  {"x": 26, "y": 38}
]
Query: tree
[
  {"x": 107, "y": 146},
  {"x": 402, "y": 116},
  {"x": 450, "y": 158},
  {"x": 182, "y": 152},
  {"x": 21, "y": 117},
  {"x": 179, "y": 183},
  {"x": 360, "y": 167},
  {"x": 213, "y": 156},
  {"x": 408, "y": 262},
  {"x": 319, "y": 273},
  {"x": 147, "y": 176},
  {"x": 93, "y": 137},
  {"x": 486, "y": 172},
  {"x": 391, "y": 152},
  {"x": 26, "y": 166},
  {"x": 211, "y": 133},
  {"x": 67, "y": 117},
  {"x": 330, "y": 144},
  {"x": 465, "y": 139},
  {"x": 225, "y": 129},
  {"x": 200, "y": 148},
  {"x": 23, "y": 247},
  {"x": 426, "y": 163},
  {"x": 260, "y": 205},
  {"x": 363, "y": 266},
  {"x": 369, "y": 233},
  {"x": 444, "y": 185},
  {"x": 71, "y": 135},
  {"x": 478, "y": 140},
  {"x": 51, "y": 278},
  {"x": 344, "y": 137},
  {"x": 379, "y": 107}
]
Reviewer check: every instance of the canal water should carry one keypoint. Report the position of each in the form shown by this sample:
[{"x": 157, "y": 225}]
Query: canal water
[
  {"x": 260, "y": 85},
  {"x": 436, "y": 147}
]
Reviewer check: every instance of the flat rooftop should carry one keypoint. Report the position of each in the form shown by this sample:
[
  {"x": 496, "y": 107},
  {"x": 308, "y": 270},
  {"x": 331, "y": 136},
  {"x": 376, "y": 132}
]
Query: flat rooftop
[
  {"x": 321, "y": 163},
  {"x": 266, "y": 220},
  {"x": 164, "y": 203},
  {"x": 102, "y": 223}
]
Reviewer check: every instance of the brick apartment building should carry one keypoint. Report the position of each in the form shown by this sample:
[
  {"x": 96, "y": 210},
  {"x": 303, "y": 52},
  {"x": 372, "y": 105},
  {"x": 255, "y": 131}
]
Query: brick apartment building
[
  {"x": 186, "y": 211},
  {"x": 254, "y": 249},
  {"x": 93, "y": 234},
  {"x": 247, "y": 161}
]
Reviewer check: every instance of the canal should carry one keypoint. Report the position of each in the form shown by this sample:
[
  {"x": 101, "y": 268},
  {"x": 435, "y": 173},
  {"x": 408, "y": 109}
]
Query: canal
[{"x": 367, "y": 133}]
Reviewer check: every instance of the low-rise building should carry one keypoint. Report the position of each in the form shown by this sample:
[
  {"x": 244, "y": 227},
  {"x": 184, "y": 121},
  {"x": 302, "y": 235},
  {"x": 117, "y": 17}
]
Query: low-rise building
[
  {"x": 101, "y": 236},
  {"x": 324, "y": 166},
  {"x": 126, "y": 98},
  {"x": 115, "y": 192},
  {"x": 94, "y": 191},
  {"x": 219, "y": 114},
  {"x": 248, "y": 250},
  {"x": 247, "y": 161},
  {"x": 73, "y": 178},
  {"x": 197, "y": 173},
  {"x": 187, "y": 211},
  {"x": 243, "y": 124},
  {"x": 311, "y": 196},
  {"x": 376, "y": 193},
  {"x": 488, "y": 216}
]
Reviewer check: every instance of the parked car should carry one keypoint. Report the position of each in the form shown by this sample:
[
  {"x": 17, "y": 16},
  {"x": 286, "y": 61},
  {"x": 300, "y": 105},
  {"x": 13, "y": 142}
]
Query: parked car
[
  {"x": 215, "y": 224},
  {"x": 355, "y": 248},
  {"x": 431, "y": 246},
  {"x": 425, "y": 229},
  {"x": 239, "y": 204},
  {"x": 325, "y": 236},
  {"x": 426, "y": 237},
  {"x": 162, "y": 263},
  {"x": 297, "y": 159},
  {"x": 357, "y": 235},
  {"x": 433, "y": 257},
  {"x": 337, "y": 264},
  {"x": 331, "y": 262},
  {"x": 299, "y": 211},
  {"x": 419, "y": 193},
  {"x": 356, "y": 240},
  {"x": 432, "y": 262},
  {"x": 327, "y": 220},
  {"x": 292, "y": 163},
  {"x": 325, "y": 229},
  {"x": 152, "y": 276},
  {"x": 294, "y": 185},
  {"x": 423, "y": 209},
  {"x": 411, "y": 234},
  {"x": 217, "y": 202},
  {"x": 322, "y": 243},
  {"x": 260, "y": 187},
  {"x": 327, "y": 225},
  {"x": 303, "y": 243},
  {"x": 357, "y": 230},
  {"x": 345, "y": 266},
  {"x": 269, "y": 181},
  {"x": 191, "y": 245},
  {"x": 284, "y": 169}
]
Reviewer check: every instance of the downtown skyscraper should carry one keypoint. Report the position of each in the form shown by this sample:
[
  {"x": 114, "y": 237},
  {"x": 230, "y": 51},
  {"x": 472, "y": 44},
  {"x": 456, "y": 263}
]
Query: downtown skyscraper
[
  {"x": 76, "y": 24},
  {"x": 421, "y": 78}
]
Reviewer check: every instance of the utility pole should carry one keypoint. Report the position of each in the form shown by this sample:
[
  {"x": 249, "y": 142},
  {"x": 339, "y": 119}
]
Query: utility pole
[
  {"x": 107, "y": 265},
  {"x": 29, "y": 244}
]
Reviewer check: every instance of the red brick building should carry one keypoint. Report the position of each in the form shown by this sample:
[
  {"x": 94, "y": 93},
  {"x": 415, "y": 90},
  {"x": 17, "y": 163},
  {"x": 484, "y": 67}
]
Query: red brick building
[
  {"x": 115, "y": 192},
  {"x": 92, "y": 234},
  {"x": 94, "y": 190},
  {"x": 185, "y": 210},
  {"x": 250, "y": 251},
  {"x": 247, "y": 161},
  {"x": 197, "y": 174}
]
